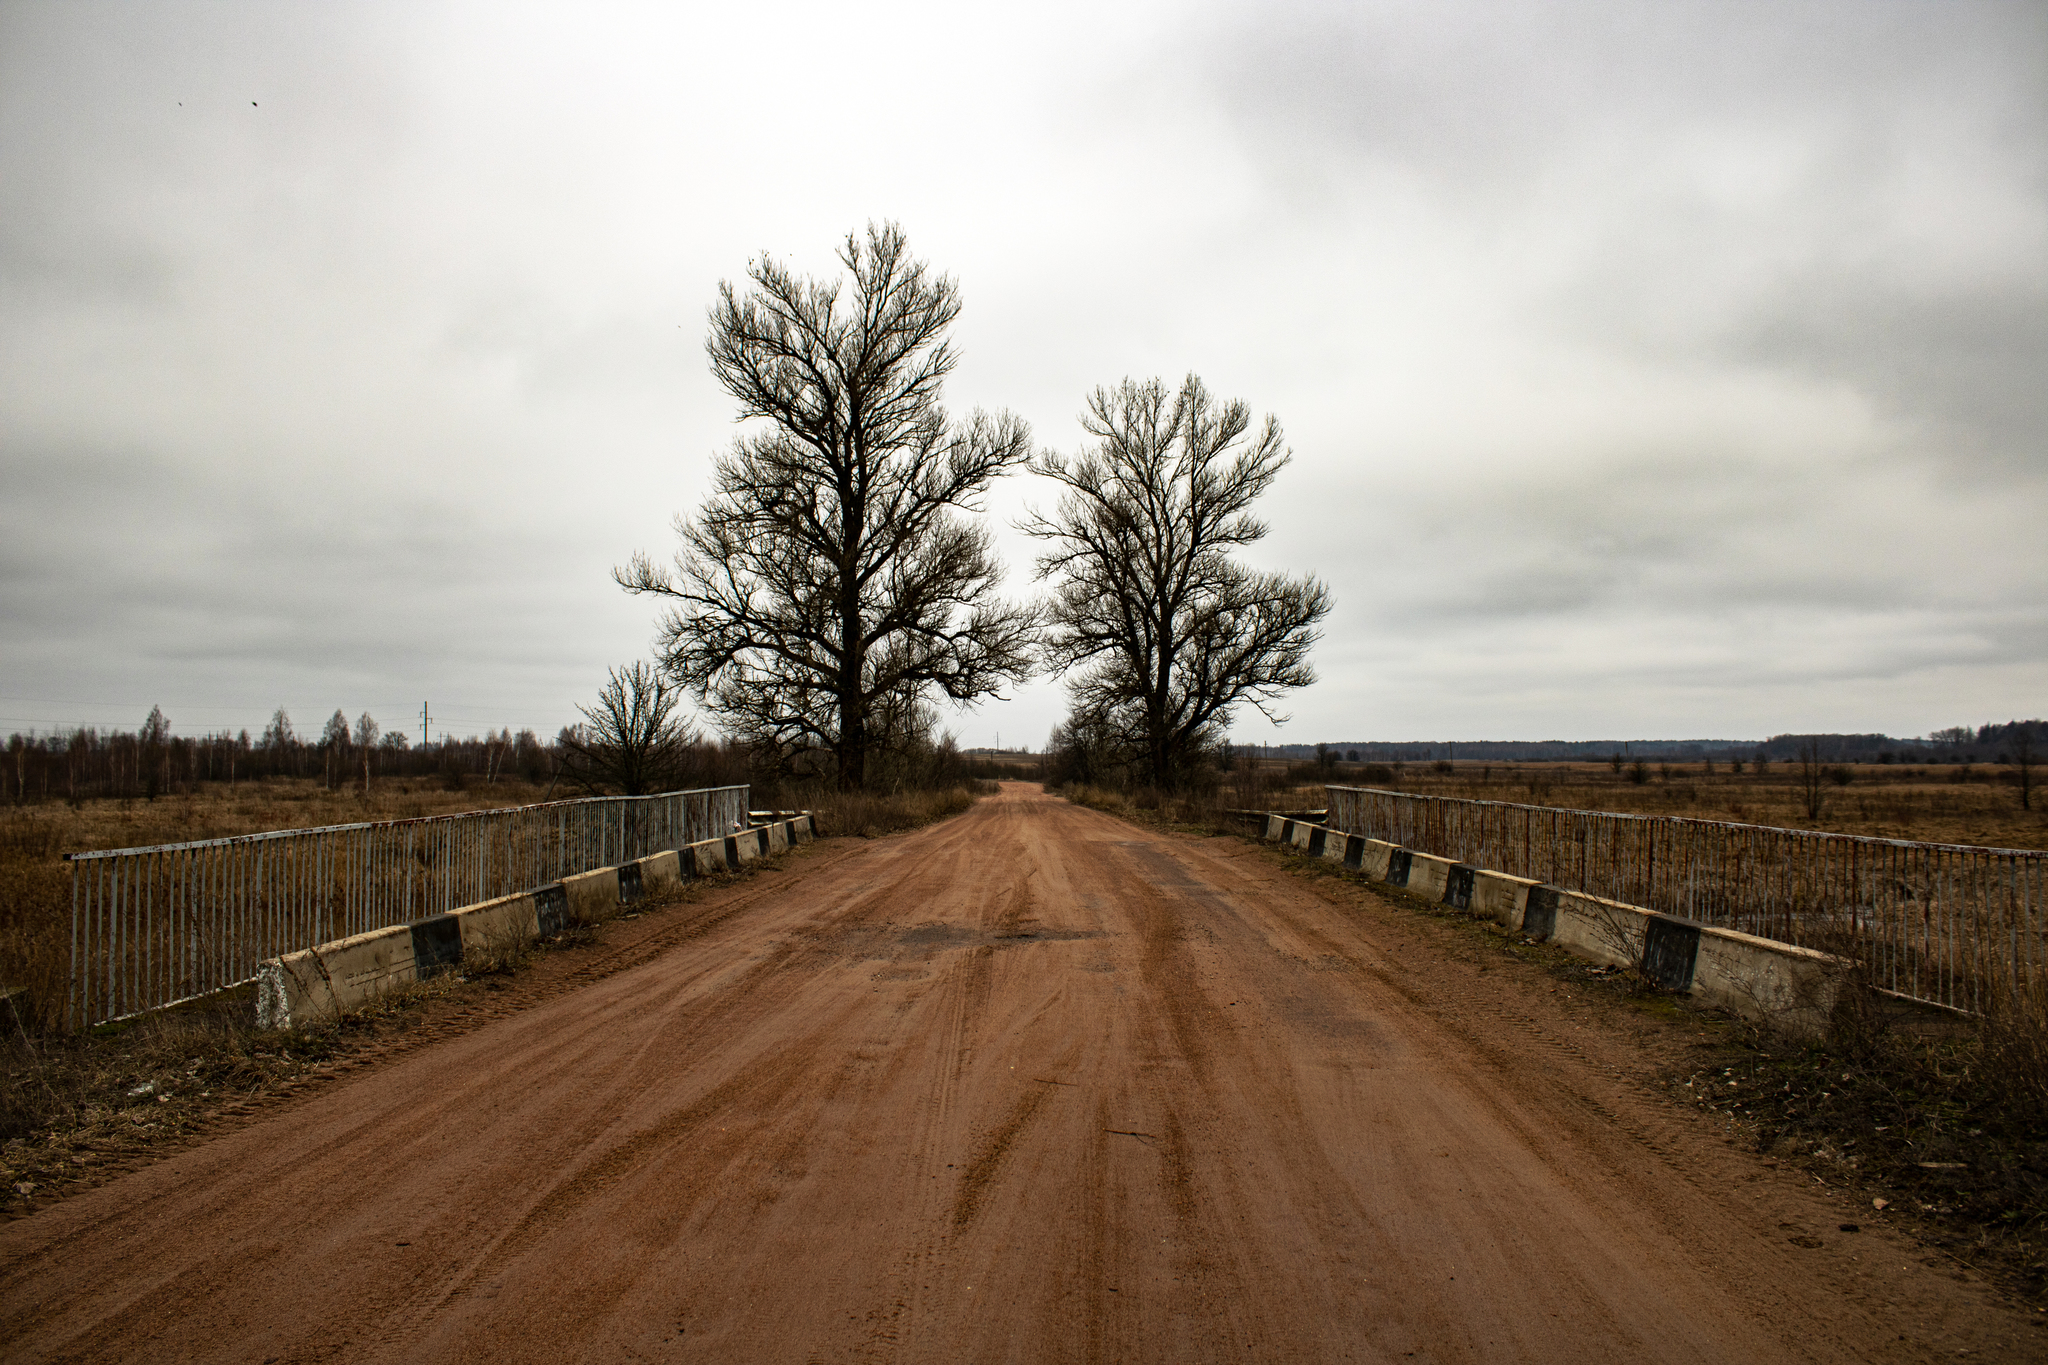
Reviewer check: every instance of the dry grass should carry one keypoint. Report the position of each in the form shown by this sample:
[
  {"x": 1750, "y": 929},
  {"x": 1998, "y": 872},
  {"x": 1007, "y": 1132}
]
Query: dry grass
[
  {"x": 869, "y": 815},
  {"x": 70, "y": 1103},
  {"x": 1947, "y": 1124},
  {"x": 35, "y": 883},
  {"x": 76, "y": 1106},
  {"x": 1936, "y": 803},
  {"x": 1197, "y": 812},
  {"x": 217, "y": 811}
]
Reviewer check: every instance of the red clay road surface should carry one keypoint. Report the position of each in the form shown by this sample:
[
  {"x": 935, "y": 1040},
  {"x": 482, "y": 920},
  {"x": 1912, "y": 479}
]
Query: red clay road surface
[{"x": 1029, "y": 1085}]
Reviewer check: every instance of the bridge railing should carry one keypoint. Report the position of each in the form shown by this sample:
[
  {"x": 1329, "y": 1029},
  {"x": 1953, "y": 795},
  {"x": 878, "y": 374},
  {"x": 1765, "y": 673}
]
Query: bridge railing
[
  {"x": 1945, "y": 923},
  {"x": 153, "y": 926}
]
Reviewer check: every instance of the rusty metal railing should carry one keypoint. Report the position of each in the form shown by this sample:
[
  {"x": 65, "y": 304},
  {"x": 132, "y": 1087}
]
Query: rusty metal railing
[
  {"x": 153, "y": 926},
  {"x": 1944, "y": 923}
]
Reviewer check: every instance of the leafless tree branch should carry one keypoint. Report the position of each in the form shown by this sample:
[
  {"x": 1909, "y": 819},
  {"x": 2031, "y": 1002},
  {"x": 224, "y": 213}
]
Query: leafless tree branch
[
  {"x": 1168, "y": 633},
  {"x": 833, "y": 578}
]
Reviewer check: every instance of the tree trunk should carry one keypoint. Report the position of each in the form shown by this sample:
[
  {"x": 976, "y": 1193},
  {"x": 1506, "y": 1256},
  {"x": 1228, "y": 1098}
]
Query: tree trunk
[{"x": 853, "y": 743}]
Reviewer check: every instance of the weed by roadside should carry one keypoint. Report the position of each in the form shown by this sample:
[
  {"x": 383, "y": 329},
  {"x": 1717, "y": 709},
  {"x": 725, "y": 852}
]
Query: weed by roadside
[
  {"x": 1936, "y": 1126},
  {"x": 1924, "y": 1124},
  {"x": 71, "y": 1103},
  {"x": 1186, "y": 813}
]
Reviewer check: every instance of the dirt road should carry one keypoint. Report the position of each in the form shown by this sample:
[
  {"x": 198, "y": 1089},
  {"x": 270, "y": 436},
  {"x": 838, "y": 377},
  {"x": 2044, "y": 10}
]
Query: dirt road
[{"x": 1030, "y": 1085}]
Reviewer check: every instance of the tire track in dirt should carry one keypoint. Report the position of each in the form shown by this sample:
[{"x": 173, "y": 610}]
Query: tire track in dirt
[{"x": 1028, "y": 1085}]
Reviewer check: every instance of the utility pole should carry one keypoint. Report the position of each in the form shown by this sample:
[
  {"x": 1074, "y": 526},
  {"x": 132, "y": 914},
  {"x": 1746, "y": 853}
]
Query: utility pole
[{"x": 423, "y": 725}]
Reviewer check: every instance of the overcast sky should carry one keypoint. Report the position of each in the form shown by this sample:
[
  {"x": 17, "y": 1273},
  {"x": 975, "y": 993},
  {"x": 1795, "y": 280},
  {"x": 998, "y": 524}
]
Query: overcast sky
[{"x": 1651, "y": 370}]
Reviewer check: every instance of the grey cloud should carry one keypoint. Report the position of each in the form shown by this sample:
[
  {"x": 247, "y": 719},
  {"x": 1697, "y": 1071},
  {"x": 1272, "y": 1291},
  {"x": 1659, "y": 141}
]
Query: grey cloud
[
  {"x": 1643, "y": 359},
  {"x": 1471, "y": 86},
  {"x": 1855, "y": 191},
  {"x": 1972, "y": 368}
]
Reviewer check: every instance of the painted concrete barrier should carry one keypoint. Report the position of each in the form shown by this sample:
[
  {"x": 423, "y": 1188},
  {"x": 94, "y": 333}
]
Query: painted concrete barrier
[
  {"x": 1791, "y": 987},
  {"x": 332, "y": 978},
  {"x": 1502, "y": 898},
  {"x": 321, "y": 982},
  {"x": 495, "y": 926},
  {"x": 705, "y": 859},
  {"x": 592, "y": 894},
  {"x": 1762, "y": 978}
]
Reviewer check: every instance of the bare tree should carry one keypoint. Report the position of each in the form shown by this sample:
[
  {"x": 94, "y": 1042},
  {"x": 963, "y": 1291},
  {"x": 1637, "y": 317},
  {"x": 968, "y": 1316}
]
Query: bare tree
[
  {"x": 367, "y": 731},
  {"x": 1170, "y": 632},
  {"x": 334, "y": 749},
  {"x": 2024, "y": 758},
  {"x": 1812, "y": 774},
  {"x": 632, "y": 741},
  {"x": 156, "y": 740},
  {"x": 280, "y": 741},
  {"x": 831, "y": 576}
]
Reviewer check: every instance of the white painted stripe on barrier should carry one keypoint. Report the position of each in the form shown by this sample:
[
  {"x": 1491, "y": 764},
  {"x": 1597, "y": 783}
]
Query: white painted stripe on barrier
[
  {"x": 660, "y": 874},
  {"x": 1761, "y": 978},
  {"x": 1429, "y": 875},
  {"x": 592, "y": 895},
  {"x": 1373, "y": 859},
  {"x": 1604, "y": 931},
  {"x": 495, "y": 925}
]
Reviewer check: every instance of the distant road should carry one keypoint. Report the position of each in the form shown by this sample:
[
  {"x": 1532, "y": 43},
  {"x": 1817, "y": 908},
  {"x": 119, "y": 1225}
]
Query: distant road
[{"x": 1030, "y": 1085}]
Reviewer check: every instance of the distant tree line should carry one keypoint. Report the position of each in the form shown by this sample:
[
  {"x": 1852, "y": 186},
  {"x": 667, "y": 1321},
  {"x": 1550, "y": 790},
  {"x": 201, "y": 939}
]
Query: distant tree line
[
  {"x": 151, "y": 761},
  {"x": 1957, "y": 744}
]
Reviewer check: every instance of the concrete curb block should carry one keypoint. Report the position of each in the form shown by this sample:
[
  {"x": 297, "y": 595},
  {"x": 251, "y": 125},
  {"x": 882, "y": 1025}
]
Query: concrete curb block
[
  {"x": 660, "y": 874},
  {"x": 499, "y": 924},
  {"x": 1792, "y": 988},
  {"x": 593, "y": 894},
  {"x": 321, "y": 982},
  {"x": 330, "y": 979},
  {"x": 1501, "y": 898}
]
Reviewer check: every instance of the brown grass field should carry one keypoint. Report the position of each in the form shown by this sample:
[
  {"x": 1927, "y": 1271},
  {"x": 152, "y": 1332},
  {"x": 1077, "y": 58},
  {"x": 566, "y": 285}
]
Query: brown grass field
[{"x": 1940, "y": 804}]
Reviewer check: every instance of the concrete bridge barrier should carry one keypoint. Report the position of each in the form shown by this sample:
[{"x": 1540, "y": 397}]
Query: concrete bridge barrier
[
  {"x": 1790, "y": 987},
  {"x": 330, "y": 979}
]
